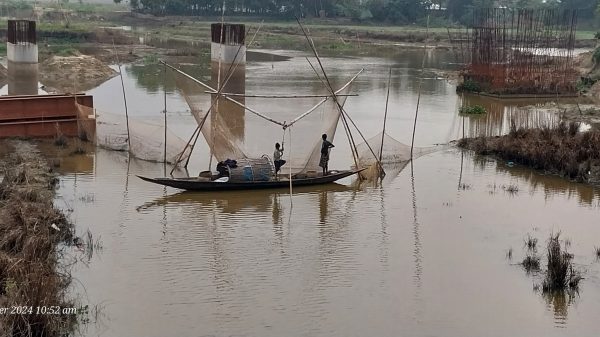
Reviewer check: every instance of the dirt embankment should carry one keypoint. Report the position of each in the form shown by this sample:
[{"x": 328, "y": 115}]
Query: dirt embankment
[
  {"x": 71, "y": 74},
  {"x": 563, "y": 151},
  {"x": 32, "y": 232},
  {"x": 589, "y": 70},
  {"x": 3, "y": 75}
]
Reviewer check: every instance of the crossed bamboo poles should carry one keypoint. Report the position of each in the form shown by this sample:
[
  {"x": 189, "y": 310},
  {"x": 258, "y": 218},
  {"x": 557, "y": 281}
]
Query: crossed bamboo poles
[{"x": 333, "y": 94}]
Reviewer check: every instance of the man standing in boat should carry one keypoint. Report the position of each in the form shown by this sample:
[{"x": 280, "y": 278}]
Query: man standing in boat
[
  {"x": 277, "y": 158},
  {"x": 324, "y": 162}
]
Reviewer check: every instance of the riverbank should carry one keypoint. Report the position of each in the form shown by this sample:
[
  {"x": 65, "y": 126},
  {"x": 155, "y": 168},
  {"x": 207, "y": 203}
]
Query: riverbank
[
  {"x": 562, "y": 151},
  {"x": 33, "y": 234},
  {"x": 105, "y": 24}
]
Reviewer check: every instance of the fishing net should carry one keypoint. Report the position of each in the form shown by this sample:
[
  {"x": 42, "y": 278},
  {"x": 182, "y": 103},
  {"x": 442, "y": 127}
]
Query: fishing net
[
  {"x": 147, "y": 137},
  {"x": 394, "y": 154},
  {"x": 232, "y": 132},
  {"x": 87, "y": 122}
]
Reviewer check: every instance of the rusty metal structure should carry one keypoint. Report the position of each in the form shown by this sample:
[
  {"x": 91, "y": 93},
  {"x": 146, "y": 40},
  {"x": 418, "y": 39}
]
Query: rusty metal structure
[
  {"x": 232, "y": 34},
  {"x": 47, "y": 116},
  {"x": 519, "y": 51},
  {"x": 21, "y": 31}
]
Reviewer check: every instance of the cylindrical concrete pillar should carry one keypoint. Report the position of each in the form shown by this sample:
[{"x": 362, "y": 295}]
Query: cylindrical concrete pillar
[
  {"x": 22, "y": 56},
  {"x": 228, "y": 51}
]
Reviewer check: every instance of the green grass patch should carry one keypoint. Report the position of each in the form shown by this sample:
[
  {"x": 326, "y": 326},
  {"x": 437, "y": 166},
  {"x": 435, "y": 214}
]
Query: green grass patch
[
  {"x": 60, "y": 49},
  {"x": 473, "y": 110},
  {"x": 596, "y": 56},
  {"x": 151, "y": 59},
  {"x": 468, "y": 86},
  {"x": 585, "y": 35},
  {"x": 95, "y": 8}
]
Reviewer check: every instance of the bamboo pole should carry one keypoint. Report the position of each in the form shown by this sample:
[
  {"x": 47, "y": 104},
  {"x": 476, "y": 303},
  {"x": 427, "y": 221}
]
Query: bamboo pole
[
  {"x": 124, "y": 98},
  {"x": 329, "y": 86},
  {"x": 412, "y": 142},
  {"x": 345, "y": 116},
  {"x": 230, "y": 71},
  {"x": 279, "y": 96},
  {"x": 325, "y": 100},
  {"x": 165, "y": 111},
  {"x": 387, "y": 100},
  {"x": 340, "y": 108},
  {"x": 217, "y": 99},
  {"x": 227, "y": 98}
]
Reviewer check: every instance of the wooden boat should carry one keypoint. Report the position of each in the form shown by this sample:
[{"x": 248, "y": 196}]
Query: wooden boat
[
  {"x": 237, "y": 200},
  {"x": 207, "y": 184}
]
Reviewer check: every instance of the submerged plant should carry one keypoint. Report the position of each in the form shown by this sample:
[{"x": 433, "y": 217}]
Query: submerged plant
[
  {"x": 60, "y": 140},
  {"x": 531, "y": 263},
  {"x": 560, "y": 274},
  {"x": 531, "y": 243}
]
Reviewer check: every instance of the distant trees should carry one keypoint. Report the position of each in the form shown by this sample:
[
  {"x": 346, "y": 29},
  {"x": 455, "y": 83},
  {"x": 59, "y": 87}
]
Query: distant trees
[{"x": 391, "y": 11}]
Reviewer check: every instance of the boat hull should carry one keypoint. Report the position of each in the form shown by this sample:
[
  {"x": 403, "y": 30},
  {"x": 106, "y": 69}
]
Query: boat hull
[{"x": 196, "y": 184}]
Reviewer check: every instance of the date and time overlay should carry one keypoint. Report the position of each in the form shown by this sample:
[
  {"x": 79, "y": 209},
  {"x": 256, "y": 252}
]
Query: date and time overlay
[{"x": 38, "y": 310}]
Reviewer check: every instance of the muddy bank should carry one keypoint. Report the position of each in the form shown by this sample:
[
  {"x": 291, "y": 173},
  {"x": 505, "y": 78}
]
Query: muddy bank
[
  {"x": 71, "y": 74},
  {"x": 33, "y": 234},
  {"x": 584, "y": 111},
  {"x": 3, "y": 76},
  {"x": 588, "y": 68},
  {"x": 563, "y": 151}
]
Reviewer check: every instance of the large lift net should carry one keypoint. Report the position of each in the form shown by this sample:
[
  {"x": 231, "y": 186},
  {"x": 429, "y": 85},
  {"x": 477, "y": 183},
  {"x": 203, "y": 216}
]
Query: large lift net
[
  {"x": 394, "y": 155},
  {"x": 146, "y": 137},
  {"x": 233, "y": 132}
]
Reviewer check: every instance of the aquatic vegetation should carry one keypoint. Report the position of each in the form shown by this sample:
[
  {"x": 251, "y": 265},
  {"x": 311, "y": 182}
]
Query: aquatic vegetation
[
  {"x": 560, "y": 274},
  {"x": 597, "y": 252},
  {"x": 473, "y": 110},
  {"x": 531, "y": 243},
  {"x": 464, "y": 186},
  {"x": 511, "y": 189},
  {"x": 60, "y": 140},
  {"x": 562, "y": 150},
  {"x": 509, "y": 253},
  {"x": 531, "y": 263}
]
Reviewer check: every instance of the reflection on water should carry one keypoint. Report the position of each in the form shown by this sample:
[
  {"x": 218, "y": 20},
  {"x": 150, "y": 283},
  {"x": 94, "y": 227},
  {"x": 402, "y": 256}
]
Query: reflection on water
[
  {"x": 412, "y": 255},
  {"x": 257, "y": 263},
  {"x": 418, "y": 267},
  {"x": 559, "y": 302},
  {"x": 552, "y": 185},
  {"x": 502, "y": 114}
]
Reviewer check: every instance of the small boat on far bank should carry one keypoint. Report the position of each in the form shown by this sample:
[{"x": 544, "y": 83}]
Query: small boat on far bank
[{"x": 207, "y": 184}]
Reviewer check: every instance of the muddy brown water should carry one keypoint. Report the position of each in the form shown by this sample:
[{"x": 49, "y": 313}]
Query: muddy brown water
[{"x": 423, "y": 254}]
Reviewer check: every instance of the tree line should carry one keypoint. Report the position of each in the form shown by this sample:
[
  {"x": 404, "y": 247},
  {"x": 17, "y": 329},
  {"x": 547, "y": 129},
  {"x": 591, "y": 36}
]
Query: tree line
[{"x": 389, "y": 11}]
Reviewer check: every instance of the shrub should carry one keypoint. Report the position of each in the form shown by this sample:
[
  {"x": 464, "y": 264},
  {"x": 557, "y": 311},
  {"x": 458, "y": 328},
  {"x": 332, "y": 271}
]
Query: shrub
[
  {"x": 473, "y": 110},
  {"x": 468, "y": 86},
  {"x": 560, "y": 274}
]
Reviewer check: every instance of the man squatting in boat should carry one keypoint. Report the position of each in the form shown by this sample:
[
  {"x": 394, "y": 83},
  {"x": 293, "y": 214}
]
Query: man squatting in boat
[{"x": 277, "y": 158}]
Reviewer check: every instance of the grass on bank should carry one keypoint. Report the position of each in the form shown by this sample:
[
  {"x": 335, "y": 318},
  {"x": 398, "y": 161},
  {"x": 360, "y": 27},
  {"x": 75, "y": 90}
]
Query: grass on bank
[
  {"x": 32, "y": 231},
  {"x": 562, "y": 150}
]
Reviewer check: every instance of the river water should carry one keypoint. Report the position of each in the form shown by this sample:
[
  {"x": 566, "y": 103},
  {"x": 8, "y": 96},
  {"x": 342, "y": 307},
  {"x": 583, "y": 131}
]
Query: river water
[{"x": 425, "y": 253}]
